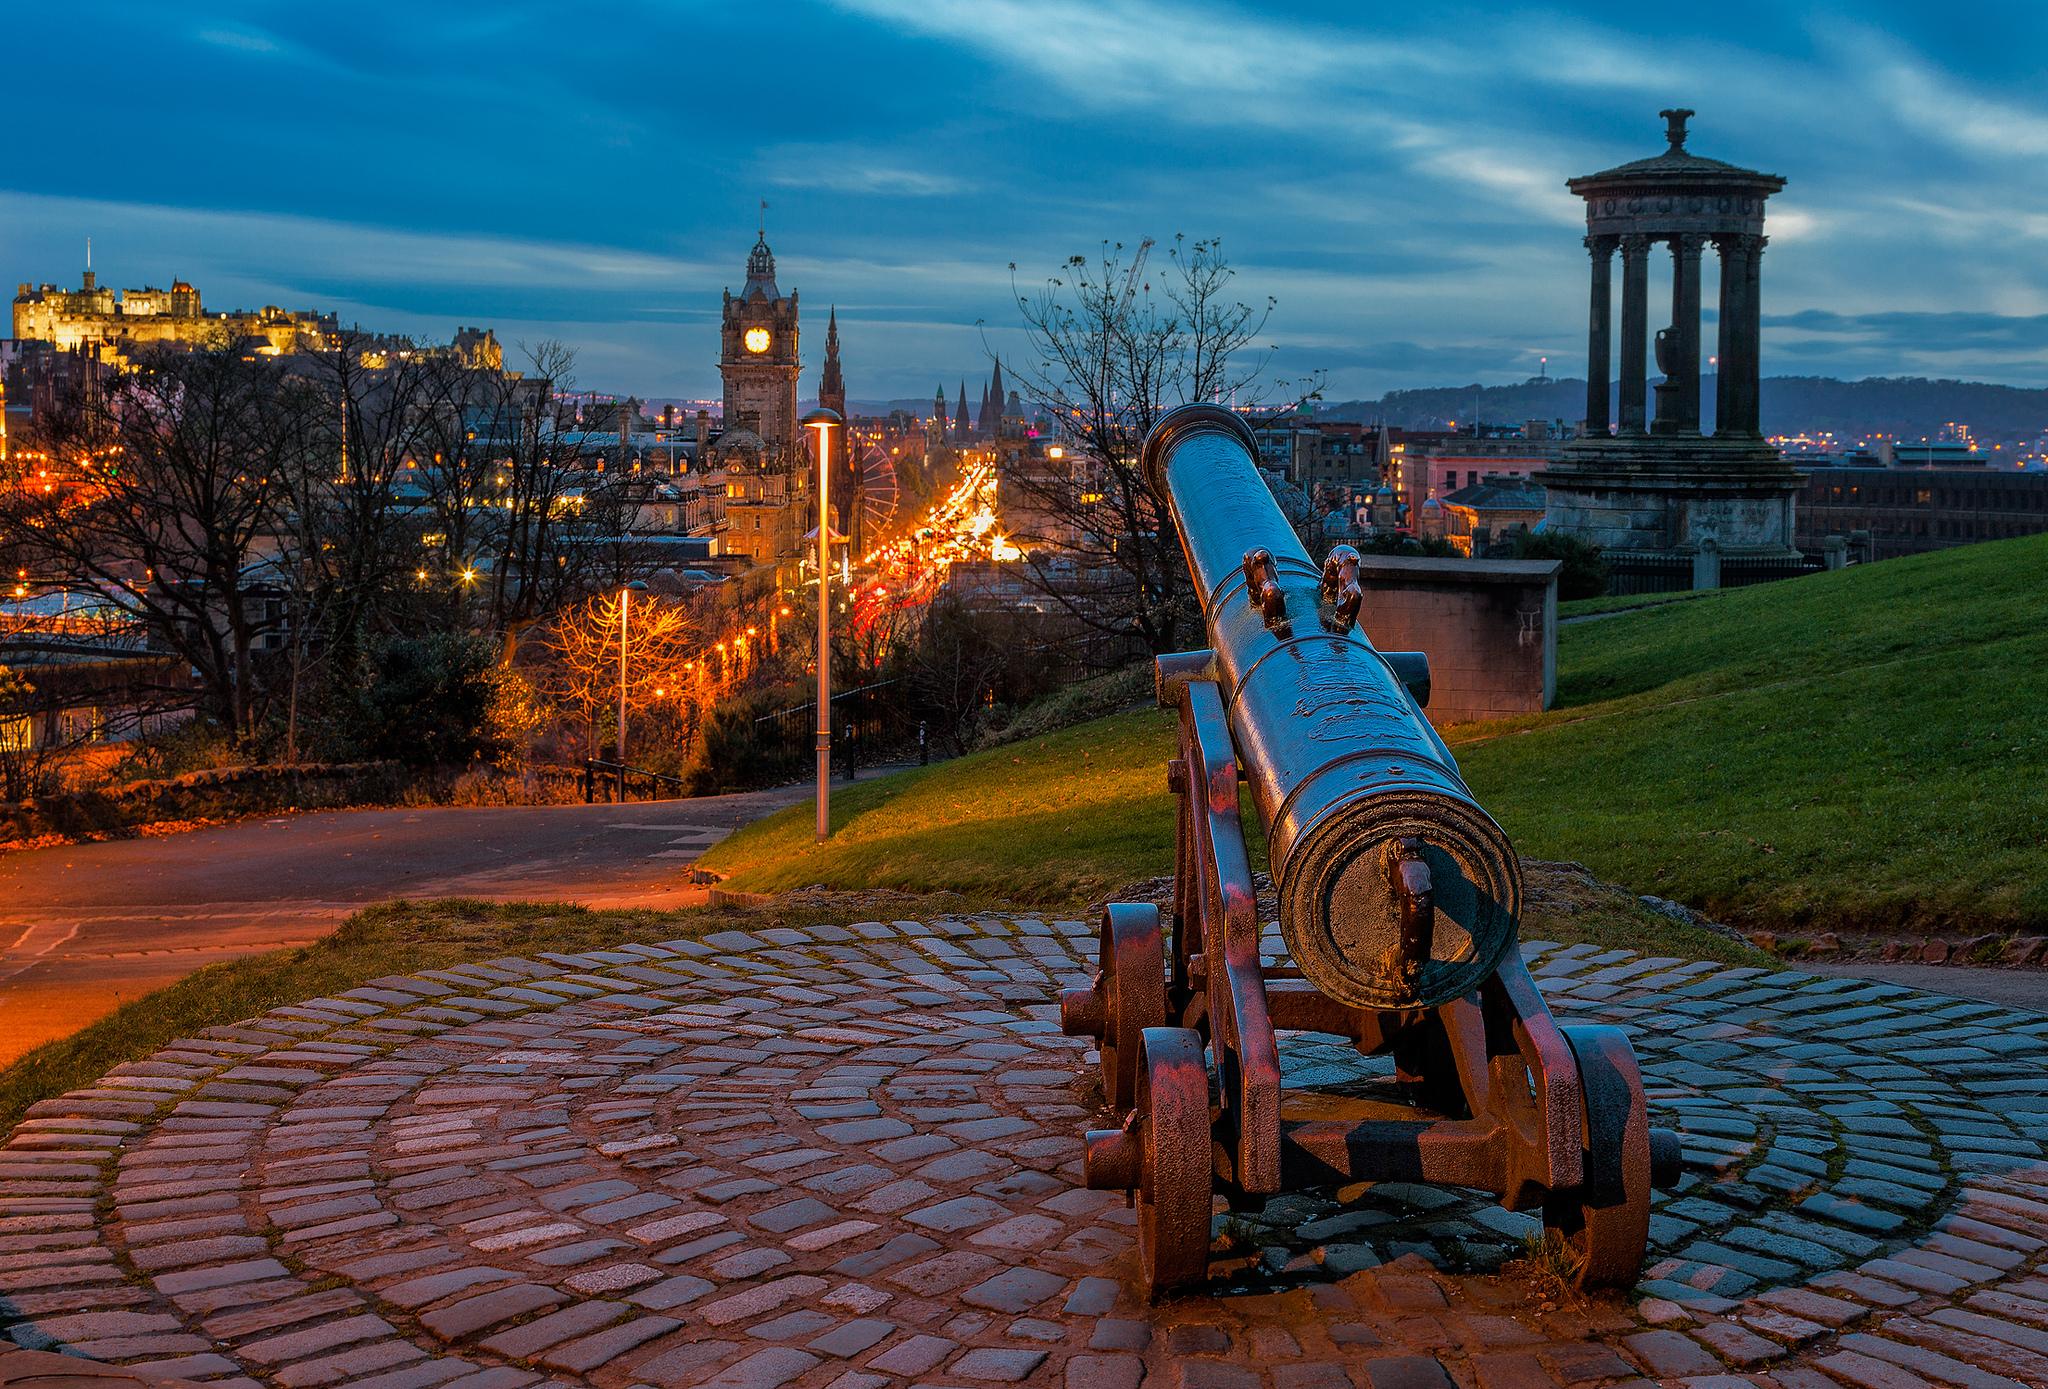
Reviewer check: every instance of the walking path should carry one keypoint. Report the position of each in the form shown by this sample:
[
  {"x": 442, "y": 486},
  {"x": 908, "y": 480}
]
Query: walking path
[
  {"x": 849, "y": 1157},
  {"x": 84, "y": 927}
]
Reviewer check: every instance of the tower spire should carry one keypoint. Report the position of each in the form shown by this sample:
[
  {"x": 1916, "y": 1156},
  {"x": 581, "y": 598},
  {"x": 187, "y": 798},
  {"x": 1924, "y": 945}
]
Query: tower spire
[{"x": 831, "y": 383}]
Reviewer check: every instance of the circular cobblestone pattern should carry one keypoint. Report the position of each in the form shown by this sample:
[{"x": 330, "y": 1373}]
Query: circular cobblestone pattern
[{"x": 850, "y": 1156}]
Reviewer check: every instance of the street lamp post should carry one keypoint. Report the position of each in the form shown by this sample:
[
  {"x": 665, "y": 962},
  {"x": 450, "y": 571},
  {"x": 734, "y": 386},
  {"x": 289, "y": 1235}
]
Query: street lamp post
[
  {"x": 824, "y": 421},
  {"x": 626, "y": 593}
]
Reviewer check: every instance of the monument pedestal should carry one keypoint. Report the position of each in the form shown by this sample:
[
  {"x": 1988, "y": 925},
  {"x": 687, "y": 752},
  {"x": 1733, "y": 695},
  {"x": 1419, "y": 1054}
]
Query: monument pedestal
[{"x": 1665, "y": 493}]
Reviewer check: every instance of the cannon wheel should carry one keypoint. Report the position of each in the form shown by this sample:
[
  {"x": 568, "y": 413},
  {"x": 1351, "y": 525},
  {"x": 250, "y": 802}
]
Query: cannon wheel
[
  {"x": 1176, "y": 1163},
  {"x": 1133, "y": 967},
  {"x": 1605, "y": 1224}
]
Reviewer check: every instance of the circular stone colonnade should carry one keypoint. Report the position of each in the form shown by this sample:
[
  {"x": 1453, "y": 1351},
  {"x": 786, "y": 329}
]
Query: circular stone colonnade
[{"x": 849, "y": 1157}]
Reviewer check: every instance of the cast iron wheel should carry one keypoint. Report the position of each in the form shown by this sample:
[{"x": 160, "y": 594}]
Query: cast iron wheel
[
  {"x": 1175, "y": 1160},
  {"x": 1605, "y": 1224},
  {"x": 1133, "y": 968}
]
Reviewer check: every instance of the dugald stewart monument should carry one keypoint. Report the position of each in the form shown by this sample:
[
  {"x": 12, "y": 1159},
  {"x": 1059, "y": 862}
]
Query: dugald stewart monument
[
  {"x": 1631, "y": 482},
  {"x": 562, "y": 826}
]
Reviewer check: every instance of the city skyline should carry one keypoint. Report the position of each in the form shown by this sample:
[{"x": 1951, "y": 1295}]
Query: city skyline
[{"x": 1396, "y": 182}]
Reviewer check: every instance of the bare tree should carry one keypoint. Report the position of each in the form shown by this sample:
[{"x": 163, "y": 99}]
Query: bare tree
[
  {"x": 662, "y": 640},
  {"x": 523, "y": 524},
  {"x": 1109, "y": 355},
  {"x": 166, "y": 486},
  {"x": 347, "y": 561}
]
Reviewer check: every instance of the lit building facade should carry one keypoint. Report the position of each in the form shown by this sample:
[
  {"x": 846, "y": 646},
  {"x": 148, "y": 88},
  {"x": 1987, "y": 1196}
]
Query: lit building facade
[{"x": 113, "y": 327}]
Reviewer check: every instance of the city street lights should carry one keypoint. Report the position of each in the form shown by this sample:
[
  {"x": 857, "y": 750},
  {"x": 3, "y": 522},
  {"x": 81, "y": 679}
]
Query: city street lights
[
  {"x": 625, "y": 597},
  {"x": 824, "y": 421}
]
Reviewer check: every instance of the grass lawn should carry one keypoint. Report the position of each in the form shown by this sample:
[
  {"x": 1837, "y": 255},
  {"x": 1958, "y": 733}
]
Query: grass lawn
[
  {"x": 1856, "y": 750},
  {"x": 1626, "y": 602},
  {"x": 1010, "y": 825},
  {"x": 1860, "y": 750}
]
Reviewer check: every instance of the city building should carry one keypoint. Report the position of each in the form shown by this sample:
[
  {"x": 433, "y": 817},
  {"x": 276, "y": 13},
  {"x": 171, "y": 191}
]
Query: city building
[
  {"x": 1905, "y": 511},
  {"x": 1481, "y": 514},
  {"x": 1424, "y": 466}
]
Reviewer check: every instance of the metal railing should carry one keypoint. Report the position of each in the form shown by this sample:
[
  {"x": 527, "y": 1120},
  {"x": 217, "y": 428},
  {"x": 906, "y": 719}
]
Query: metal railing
[
  {"x": 866, "y": 726},
  {"x": 601, "y": 778}
]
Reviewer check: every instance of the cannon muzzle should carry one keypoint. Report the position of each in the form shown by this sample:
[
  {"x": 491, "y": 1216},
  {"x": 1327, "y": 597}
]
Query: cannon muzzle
[{"x": 1396, "y": 889}]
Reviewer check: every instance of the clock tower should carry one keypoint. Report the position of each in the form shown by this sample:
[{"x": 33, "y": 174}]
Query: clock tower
[{"x": 757, "y": 358}]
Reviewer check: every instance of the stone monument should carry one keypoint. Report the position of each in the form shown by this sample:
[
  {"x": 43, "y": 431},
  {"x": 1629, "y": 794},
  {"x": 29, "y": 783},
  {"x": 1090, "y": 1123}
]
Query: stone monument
[{"x": 1631, "y": 485}]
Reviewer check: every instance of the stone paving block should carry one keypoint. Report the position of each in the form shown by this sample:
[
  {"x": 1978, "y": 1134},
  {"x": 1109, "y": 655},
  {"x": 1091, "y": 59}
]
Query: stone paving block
[{"x": 827, "y": 1147}]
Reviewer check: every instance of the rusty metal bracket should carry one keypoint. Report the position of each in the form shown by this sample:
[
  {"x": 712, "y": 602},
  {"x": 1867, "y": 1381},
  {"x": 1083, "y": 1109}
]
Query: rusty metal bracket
[
  {"x": 1340, "y": 586},
  {"x": 1262, "y": 585}
]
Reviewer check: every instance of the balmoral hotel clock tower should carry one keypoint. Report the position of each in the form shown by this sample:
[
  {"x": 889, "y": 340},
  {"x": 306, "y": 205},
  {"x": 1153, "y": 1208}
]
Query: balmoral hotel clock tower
[{"x": 758, "y": 358}]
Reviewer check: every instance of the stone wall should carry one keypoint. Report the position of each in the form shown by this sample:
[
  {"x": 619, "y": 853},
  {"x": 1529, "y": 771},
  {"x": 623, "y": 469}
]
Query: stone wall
[{"x": 1489, "y": 628}]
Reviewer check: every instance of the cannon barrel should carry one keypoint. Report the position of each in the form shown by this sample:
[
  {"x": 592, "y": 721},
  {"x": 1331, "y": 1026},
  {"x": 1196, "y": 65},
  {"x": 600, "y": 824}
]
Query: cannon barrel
[{"x": 1396, "y": 889}]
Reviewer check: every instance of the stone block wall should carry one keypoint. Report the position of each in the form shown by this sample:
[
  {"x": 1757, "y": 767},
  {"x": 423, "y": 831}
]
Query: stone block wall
[{"x": 1489, "y": 628}]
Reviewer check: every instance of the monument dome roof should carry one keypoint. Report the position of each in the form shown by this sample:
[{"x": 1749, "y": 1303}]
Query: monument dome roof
[{"x": 1676, "y": 166}]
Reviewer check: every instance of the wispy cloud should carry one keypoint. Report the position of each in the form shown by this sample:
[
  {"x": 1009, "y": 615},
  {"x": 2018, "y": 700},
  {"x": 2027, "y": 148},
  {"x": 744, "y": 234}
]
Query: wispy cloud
[
  {"x": 295, "y": 247},
  {"x": 856, "y": 170},
  {"x": 237, "y": 38}
]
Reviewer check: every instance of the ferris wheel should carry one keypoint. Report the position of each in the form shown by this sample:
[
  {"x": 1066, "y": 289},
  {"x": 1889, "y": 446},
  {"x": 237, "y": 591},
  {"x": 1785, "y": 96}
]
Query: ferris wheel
[{"x": 880, "y": 494}]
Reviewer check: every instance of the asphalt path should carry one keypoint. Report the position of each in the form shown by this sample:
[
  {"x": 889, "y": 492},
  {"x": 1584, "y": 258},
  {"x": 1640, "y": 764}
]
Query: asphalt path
[
  {"x": 85, "y": 927},
  {"x": 2014, "y": 988}
]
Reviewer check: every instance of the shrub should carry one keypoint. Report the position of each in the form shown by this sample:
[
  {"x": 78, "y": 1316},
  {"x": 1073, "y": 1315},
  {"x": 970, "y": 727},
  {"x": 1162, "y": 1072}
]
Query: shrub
[
  {"x": 1584, "y": 574},
  {"x": 433, "y": 701},
  {"x": 736, "y": 753}
]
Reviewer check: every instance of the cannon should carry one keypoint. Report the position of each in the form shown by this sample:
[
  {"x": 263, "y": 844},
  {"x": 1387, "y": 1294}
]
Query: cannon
[{"x": 1399, "y": 905}]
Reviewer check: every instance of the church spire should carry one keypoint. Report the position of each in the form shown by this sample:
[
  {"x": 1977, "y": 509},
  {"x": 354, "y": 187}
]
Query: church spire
[
  {"x": 962, "y": 425},
  {"x": 831, "y": 383}
]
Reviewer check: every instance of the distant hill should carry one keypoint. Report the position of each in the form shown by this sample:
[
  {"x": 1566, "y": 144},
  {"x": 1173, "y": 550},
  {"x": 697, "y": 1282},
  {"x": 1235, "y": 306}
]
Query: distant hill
[{"x": 1911, "y": 406}]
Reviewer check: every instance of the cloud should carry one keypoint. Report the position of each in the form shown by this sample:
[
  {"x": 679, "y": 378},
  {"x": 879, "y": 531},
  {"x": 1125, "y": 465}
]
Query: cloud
[
  {"x": 242, "y": 40},
  {"x": 1944, "y": 107},
  {"x": 280, "y": 248},
  {"x": 854, "y": 170},
  {"x": 1957, "y": 331}
]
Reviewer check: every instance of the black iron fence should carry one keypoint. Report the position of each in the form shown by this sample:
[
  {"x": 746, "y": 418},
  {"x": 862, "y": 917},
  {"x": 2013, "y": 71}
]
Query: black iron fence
[
  {"x": 1738, "y": 571},
  {"x": 869, "y": 725},
  {"x": 1641, "y": 572},
  {"x": 615, "y": 781},
  {"x": 1676, "y": 571}
]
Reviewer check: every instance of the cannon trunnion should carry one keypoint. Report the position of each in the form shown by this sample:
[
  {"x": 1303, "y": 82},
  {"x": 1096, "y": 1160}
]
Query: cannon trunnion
[{"x": 1400, "y": 902}]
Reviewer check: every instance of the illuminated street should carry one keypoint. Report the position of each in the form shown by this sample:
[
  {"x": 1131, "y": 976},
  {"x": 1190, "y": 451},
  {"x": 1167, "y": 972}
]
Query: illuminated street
[{"x": 961, "y": 527}]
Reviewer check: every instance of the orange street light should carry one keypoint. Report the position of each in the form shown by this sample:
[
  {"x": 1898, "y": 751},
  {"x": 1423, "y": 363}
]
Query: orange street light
[{"x": 824, "y": 421}]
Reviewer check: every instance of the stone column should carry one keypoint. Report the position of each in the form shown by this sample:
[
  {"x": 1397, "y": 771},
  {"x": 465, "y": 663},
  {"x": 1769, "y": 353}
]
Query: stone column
[
  {"x": 1600, "y": 336},
  {"x": 1635, "y": 331},
  {"x": 1685, "y": 320},
  {"x": 1750, "y": 387},
  {"x": 1737, "y": 390}
]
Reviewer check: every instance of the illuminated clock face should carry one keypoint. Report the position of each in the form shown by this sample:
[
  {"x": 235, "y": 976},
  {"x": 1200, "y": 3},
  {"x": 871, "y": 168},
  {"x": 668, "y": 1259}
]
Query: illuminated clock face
[{"x": 757, "y": 339}]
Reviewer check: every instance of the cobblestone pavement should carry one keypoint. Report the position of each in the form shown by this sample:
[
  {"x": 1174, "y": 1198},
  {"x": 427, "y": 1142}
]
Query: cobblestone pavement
[{"x": 848, "y": 1157}]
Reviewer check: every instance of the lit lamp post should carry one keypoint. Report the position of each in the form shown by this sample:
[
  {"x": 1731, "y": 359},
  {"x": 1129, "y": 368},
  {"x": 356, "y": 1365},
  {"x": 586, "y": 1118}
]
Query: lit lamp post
[
  {"x": 625, "y": 598},
  {"x": 824, "y": 421}
]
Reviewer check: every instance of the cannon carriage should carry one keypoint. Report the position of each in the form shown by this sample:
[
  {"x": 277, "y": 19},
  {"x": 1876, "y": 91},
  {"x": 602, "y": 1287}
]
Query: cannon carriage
[{"x": 1399, "y": 905}]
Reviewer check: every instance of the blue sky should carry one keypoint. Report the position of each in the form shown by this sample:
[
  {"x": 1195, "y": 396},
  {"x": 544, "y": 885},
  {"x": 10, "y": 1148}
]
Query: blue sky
[{"x": 1393, "y": 174}]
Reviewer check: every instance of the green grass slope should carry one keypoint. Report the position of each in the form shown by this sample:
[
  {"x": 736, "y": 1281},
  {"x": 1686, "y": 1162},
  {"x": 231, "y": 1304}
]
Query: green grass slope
[
  {"x": 1050, "y": 821},
  {"x": 1856, "y": 750},
  {"x": 1853, "y": 751}
]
